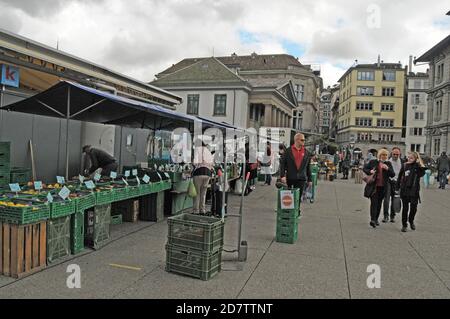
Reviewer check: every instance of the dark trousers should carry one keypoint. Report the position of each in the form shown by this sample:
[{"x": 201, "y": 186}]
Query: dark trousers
[
  {"x": 297, "y": 184},
  {"x": 443, "y": 178},
  {"x": 409, "y": 210},
  {"x": 268, "y": 179},
  {"x": 375, "y": 203},
  {"x": 389, "y": 199}
]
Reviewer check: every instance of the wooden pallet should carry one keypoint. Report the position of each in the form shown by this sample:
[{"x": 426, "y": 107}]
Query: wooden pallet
[{"x": 23, "y": 249}]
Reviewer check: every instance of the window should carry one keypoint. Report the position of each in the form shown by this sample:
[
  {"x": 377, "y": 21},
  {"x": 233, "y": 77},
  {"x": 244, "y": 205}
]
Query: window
[
  {"x": 220, "y": 104},
  {"x": 364, "y": 106},
  {"x": 388, "y": 75},
  {"x": 438, "y": 112},
  {"x": 365, "y": 90},
  {"x": 385, "y": 123},
  {"x": 252, "y": 109},
  {"x": 416, "y": 131},
  {"x": 362, "y": 121},
  {"x": 416, "y": 98},
  {"x": 300, "y": 91},
  {"x": 440, "y": 73},
  {"x": 437, "y": 146},
  {"x": 387, "y": 107},
  {"x": 388, "y": 92},
  {"x": 364, "y": 136},
  {"x": 419, "y": 116},
  {"x": 415, "y": 147},
  {"x": 192, "y": 103},
  {"x": 365, "y": 75}
]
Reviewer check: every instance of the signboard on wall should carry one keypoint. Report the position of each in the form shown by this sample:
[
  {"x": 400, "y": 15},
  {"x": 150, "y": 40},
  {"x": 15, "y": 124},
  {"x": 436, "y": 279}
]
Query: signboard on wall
[{"x": 10, "y": 75}]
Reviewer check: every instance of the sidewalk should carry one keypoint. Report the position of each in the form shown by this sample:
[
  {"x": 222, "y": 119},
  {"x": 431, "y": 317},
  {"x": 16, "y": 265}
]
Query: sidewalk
[{"x": 330, "y": 259}]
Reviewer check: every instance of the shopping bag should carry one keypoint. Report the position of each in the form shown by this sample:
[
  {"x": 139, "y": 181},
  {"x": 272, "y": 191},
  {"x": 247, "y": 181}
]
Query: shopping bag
[
  {"x": 309, "y": 194},
  {"x": 397, "y": 203},
  {"x": 192, "y": 191}
]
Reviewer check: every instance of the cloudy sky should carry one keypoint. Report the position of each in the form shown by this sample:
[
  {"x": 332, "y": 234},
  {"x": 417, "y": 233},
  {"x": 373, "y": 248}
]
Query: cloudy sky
[{"x": 141, "y": 38}]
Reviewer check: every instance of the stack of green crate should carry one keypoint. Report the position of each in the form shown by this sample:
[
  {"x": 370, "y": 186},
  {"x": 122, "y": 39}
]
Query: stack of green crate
[
  {"x": 195, "y": 245},
  {"x": 5, "y": 162},
  {"x": 77, "y": 232},
  {"x": 287, "y": 219},
  {"x": 58, "y": 238}
]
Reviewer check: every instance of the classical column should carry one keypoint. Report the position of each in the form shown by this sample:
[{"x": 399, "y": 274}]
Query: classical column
[{"x": 268, "y": 115}]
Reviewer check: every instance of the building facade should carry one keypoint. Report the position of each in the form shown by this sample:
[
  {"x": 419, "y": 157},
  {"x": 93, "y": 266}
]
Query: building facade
[
  {"x": 325, "y": 112},
  {"x": 438, "y": 117},
  {"x": 284, "y": 93},
  {"x": 334, "y": 119},
  {"x": 416, "y": 120},
  {"x": 371, "y": 104}
]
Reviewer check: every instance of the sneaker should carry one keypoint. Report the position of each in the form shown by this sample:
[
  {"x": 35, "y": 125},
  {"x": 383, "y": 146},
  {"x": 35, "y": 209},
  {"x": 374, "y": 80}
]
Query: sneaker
[
  {"x": 377, "y": 223},
  {"x": 373, "y": 224},
  {"x": 403, "y": 229},
  {"x": 392, "y": 220},
  {"x": 385, "y": 219},
  {"x": 413, "y": 227}
]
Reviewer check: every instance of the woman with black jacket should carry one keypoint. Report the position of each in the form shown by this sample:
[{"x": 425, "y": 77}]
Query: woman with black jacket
[
  {"x": 382, "y": 170},
  {"x": 409, "y": 185}
]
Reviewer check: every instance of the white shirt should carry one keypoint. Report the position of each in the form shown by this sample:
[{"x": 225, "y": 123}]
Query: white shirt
[
  {"x": 203, "y": 158},
  {"x": 397, "y": 165}
]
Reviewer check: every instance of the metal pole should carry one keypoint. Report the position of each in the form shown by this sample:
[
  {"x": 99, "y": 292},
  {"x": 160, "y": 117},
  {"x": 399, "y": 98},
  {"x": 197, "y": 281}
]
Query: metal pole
[
  {"x": 1, "y": 95},
  {"x": 225, "y": 177},
  {"x": 244, "y": 186},
  {"x": 67, "y": 133}
]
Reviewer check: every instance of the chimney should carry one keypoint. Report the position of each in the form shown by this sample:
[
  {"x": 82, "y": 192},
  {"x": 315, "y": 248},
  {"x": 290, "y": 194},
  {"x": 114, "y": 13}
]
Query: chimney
[
  {"x": 378, "y": 63},
  {"x": 410, "y": 63}
]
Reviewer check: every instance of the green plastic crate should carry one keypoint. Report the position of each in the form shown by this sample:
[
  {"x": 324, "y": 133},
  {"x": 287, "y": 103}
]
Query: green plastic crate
[
  {"x": 97, "y": 226},
  {"x": 133, "y": 192},
  {"x": 104, "y": 197},
  {"x": 282, "y": 220},
  {"x": 146, "y": 189},
  {"x": 166, "y": 185},
  {"x": 63, "y": 208},
  {"x": 296, "y": 198},
  {"x": 25, "y": 215},
  {"x": 20, "y": 175},
  {"x": 77, "y": 233},
  {"x": 58, "y": 238},
  {"x": 116, "y": 219},
  {"x": 85, "y": 202},
  {"x": 120, "y": 194},
  {"x": 196, "y": 232},
  {"x": 288, "y": 235},
  {"x": 201, "y": 265},
  {"x": 287, "y": 213},
  {"x": 4, "y": 179}
]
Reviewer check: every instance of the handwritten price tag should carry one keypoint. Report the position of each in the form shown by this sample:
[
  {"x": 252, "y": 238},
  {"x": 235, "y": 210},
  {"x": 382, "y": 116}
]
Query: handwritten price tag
[
  {"x": 89, "y": 184},
  {"x": 60, "y": 180},
  {"x": 113, "y": 175},
  {"x": 49, "y": 198},
  {"x": 81, "y": 178},
  {"x": 38, "y": 186},
  {"x": 15, "y": 187},
  {"x": 146, "y": 179},
  {"x": 64, "y": 193},
  {"x": 97, "y": 177},
  {"x": 135, "y": 172},
  {"x": 127, "y": 173}
]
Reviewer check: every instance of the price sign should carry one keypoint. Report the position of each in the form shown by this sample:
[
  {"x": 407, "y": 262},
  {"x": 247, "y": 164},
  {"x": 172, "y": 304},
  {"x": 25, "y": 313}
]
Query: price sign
[
  {"x": 81, "y": 178},
  {"x": 146, "y": 179},
  {"x": 64, "y": 193},
  {"x": 113, "y": 175},
  {"x": 138, "y": 181},
  {"x": 135, "y": 172},
  {"x": 89, "y": 184},
  {"x": 127, "y": 173},
  {"x": 38, "y": 186},
  {"x": 126, "y": 183},
  {"x": 97, "y": 177},
  {"x": 15, "y": 187},
  {"x": 49, "y": 198},
  {"x": 60, "y": 180}
]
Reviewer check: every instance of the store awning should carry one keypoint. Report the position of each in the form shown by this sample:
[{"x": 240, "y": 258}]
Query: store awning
[{"x": 74, "y": 101}]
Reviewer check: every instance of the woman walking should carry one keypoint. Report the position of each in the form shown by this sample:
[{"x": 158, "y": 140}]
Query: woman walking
[
  {"x": 381, "y": 170},
  {"x": 409, "y": 184}
]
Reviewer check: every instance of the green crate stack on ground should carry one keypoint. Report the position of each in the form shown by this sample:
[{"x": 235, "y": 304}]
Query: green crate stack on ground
[
  {"x": 287, "y": 219},
  {"x": 58, "y": 238},
  {"x": 77, "y": 232},
  {"x": 97, "y": 226},
  {"x": 5, "y": 162},
  {"x": 195, "y": 245}
]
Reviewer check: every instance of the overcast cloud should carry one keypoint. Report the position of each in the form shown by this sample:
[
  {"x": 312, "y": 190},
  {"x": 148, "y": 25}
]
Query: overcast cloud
[{"x": 141, "y": 38}]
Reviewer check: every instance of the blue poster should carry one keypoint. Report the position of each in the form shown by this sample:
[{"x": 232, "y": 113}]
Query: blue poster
[{"x": 10, "y": 75}]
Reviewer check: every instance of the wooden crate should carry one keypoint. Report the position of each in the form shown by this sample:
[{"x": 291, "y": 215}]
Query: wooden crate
[{"x": 23, "y": 249}]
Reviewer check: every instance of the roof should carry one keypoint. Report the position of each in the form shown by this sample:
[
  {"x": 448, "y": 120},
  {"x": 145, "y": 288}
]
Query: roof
[
  {"x": 430, "y": 54},
  {"x": 244, "y": 63},
  {"x": 267, "y": 83},
  {"x": 202, "y": 71},
  {"x": 374, "y": 66},
  {"x": 23, "y": 45}
]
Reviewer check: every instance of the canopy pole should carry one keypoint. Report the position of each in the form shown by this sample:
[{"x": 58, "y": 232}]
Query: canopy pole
[
  {"x": 225, "y": 177},
  {"x": 67, "y": 133}
]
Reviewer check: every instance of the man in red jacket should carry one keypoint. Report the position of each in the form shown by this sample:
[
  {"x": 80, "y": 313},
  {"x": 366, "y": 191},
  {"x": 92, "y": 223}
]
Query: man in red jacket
[{"x": 294, "y": 165}]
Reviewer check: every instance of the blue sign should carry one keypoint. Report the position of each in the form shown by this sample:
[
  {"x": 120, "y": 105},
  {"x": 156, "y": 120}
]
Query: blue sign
[
  {"x": 38, "y": 186},
  {"x": 14, "y": 187},
  {"x": 10, "y": 75},
  {"x": 49, "y": 198},
  {"x": 146, "y": 178},
  {"x": 135, "y": 172},
  {"x": 113, "y": 175},
  {"x": 89, "y": 184},
  {"x": 64, "y": 193}
]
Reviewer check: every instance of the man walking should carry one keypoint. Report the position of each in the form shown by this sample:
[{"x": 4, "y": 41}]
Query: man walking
[
  {"x": 443, "y": 168},
  {"x": 295, "y": 170},
  {"x": 391, "y": 188}
]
